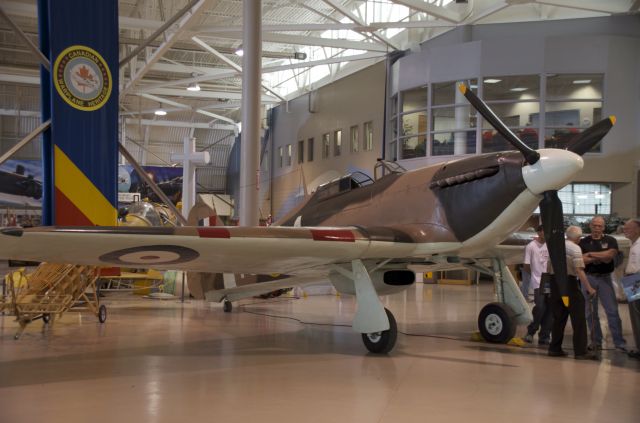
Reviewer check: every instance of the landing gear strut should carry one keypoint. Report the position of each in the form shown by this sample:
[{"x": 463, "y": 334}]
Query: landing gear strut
[{"x": 382, "y": 342}]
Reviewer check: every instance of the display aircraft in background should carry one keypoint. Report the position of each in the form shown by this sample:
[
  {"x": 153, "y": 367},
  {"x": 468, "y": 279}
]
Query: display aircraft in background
[
  {"x": 17, "y": 183},
  {"x": 362, "y": 234}
]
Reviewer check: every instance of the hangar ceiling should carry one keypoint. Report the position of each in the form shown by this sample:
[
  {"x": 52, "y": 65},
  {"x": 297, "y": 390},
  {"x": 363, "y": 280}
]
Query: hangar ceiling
[{"x": 306, "y": 44}]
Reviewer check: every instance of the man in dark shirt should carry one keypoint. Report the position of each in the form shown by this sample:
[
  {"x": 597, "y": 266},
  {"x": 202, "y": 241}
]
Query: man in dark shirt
[{"x": 599, "y": 251}]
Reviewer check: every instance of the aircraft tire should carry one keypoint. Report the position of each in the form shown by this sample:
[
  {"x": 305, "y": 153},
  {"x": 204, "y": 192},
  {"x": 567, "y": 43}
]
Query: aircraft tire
[
  {"x": 102, "y": 313},
  {"x": 496, "y": 323},
  {"x": 227, "y": 306},
  {"x": 382, "y": 342}
]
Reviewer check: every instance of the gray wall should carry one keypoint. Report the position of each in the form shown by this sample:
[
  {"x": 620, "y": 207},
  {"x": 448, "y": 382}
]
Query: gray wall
[
  {"x": 349, "y": 101},
  {"x": 608, "y": 45}
]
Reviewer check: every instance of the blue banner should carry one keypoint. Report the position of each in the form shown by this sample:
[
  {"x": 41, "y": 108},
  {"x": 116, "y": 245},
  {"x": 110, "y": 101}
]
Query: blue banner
[{"x": 83, "y": 38}]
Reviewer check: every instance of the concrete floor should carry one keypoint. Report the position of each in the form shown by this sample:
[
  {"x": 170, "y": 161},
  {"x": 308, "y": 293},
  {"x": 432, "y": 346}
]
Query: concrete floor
[{"x": 156, "y": 361}]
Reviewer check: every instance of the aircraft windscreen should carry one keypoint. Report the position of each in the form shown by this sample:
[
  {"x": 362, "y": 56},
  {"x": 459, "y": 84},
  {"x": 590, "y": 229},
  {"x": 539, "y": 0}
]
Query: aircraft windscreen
[
  {"x": 146, "y": 211},
  {"x": 361, "y": 179}
]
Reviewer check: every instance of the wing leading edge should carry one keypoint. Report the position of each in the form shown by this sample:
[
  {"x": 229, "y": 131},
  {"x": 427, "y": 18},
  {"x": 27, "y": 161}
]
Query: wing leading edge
[{"x": 205, "y": 249}]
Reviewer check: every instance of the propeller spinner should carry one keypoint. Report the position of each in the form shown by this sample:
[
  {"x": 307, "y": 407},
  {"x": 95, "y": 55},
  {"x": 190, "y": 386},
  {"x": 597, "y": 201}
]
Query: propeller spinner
[{"x": 547, "y": 171}]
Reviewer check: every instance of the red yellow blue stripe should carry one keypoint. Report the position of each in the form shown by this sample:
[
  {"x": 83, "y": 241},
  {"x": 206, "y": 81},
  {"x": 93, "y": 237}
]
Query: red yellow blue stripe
[{"x": 77, "y": 198}]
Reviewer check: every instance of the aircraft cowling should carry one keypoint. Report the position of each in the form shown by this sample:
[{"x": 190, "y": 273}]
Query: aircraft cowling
[{"x": 386, "y": 280}]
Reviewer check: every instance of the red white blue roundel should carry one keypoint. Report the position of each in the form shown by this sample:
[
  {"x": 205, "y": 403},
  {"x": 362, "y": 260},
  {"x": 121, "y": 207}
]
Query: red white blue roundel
[{"x": 150, "y": 255}]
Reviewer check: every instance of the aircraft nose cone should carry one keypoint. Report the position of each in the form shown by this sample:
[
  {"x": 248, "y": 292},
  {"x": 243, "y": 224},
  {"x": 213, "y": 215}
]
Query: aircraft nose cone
[{"x": 555, "y": 169}]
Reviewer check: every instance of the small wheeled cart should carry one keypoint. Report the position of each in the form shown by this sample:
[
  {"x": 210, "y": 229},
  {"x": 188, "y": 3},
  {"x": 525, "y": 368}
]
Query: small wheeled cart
[{"x": 50, "y": 291}]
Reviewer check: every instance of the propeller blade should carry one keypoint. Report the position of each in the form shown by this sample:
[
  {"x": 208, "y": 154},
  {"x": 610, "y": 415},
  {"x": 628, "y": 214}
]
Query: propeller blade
[
  {"x": 552, "y": 223},
  {"x": 530, "y": 155},
  {"x": 591, "y": 136}
]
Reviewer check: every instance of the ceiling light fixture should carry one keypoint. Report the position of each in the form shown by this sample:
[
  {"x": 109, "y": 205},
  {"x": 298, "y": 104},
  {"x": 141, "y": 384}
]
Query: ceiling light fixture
[
  {"x": 519, "y": 89},
  {"x": 582, "y": 81},
  {"x": 160, "y": 112},
  {"x": 193, "y": 87},
  {"x": 492, "y": 81},
  {"x": 239, "y": 51}
]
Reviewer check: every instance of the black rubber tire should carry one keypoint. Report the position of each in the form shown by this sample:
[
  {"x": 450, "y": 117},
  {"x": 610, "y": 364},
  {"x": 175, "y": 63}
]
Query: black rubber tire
[
  {"x": 227, "y": 306},
  {"x": 46, "y": 318},
  {"x": 102, "y": 314},
  {"x": 382, "y": 342},
  {"x": 496, "y": 323}
]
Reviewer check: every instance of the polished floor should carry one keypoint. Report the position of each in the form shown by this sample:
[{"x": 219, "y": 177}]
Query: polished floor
[{"x": 297, "y": 360}]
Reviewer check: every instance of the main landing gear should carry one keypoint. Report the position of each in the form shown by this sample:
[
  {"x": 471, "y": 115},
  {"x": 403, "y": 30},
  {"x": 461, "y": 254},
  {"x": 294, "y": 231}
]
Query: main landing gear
[
  {"x": 498, "y": 321},
  {"x": 376, "y": 324},
  {"x": 384, "y": 341}
]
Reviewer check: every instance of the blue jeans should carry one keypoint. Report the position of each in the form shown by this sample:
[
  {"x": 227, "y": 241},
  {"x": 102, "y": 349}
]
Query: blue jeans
[
  {"x": 526, "y": 283},
  {"x": 605, "y": 292},
  {"x": 542, "y": 316}
]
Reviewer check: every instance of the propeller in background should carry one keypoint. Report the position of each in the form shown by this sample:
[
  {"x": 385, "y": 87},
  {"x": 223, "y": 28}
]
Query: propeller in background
[{"x": 550, "y": 206}]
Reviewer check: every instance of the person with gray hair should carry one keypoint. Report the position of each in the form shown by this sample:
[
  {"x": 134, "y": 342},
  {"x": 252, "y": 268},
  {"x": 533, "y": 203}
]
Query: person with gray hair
[
  {"x": 631, "y": 230},
  {"x": 598, "y": 253},
  {"x": 576, "y": 309}
]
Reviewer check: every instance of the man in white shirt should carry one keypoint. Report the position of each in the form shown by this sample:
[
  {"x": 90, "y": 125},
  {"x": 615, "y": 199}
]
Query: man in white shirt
[
  {"x": 536, "y": 257},
  {"x": 632, "y": 231}
]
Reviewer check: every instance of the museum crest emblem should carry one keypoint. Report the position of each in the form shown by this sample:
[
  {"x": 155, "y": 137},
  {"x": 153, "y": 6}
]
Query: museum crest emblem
[{"x": 82, "y": 78}]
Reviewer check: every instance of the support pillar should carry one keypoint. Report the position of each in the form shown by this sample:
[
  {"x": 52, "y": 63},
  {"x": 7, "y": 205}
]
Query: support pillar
[
  {"x": 462, "y": 119},
  {"x": 250, "y": 140}
]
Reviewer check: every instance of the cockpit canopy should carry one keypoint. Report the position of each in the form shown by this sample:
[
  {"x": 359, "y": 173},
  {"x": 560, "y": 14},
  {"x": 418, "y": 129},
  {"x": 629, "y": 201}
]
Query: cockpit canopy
[{"x": 343, "y": 184}]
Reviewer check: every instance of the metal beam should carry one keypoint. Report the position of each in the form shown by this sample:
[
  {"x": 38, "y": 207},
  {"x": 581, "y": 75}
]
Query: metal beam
[
  {"x": 158, "y": 31},
  {"x": 179, "y": 124},
  {"x": 20, "y": 113},
  {"x": 187, "y": 107},
  {"x": 184, "y": 23},
  {"x": 34, "y": 49},
  {"x": 373, "y": 26},
  {"x": 359, "y": 21},
  {"x": 173, "y": 92},
  {"x": 475, "y": 16},
  {"x": 312, "y": 63},
  {"x": 430, "y": 9},
  {"x": 26, "y": 140},
  {"x": 231, "y": 63},
  {"x": 599, "y": 6},
  {"x": 20, "y": 79},
  {"x": 308, "y": 41}
]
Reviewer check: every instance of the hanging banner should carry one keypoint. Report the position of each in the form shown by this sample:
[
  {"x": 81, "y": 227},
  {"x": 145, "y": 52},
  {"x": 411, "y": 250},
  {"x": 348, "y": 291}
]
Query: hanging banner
[{"x": 83, "y": 36}]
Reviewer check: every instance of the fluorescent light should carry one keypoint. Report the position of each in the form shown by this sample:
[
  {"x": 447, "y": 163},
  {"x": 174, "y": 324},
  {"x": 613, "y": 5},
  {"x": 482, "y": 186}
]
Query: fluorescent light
[
  {"x": 519, "y": 89},
  {"x": 193, "y": 87},
  {"x": 473, "y": 86},
  {"x": 239, "y": 51},
  {"x": 492, "y": 81},
  {"x": 160, "y": 112},
  {"x": 582, "y": 81},
  {"x": 582, "y": 197}
]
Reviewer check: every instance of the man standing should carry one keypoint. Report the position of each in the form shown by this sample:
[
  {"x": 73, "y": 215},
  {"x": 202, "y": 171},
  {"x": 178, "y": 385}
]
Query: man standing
[
  {"x": 598, "y": 251},
  {"x": 632, "y": 231},
  {"x": 575, "y": 278},
  {"x": 535, "y": 263}
]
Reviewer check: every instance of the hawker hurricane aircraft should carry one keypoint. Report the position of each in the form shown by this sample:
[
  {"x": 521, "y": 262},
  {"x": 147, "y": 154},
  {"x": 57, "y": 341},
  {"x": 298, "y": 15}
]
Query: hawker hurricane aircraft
[{"x": 362, "y": 234}]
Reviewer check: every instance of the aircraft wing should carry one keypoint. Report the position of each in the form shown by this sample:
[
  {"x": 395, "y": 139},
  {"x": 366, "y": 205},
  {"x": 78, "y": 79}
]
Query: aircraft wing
[{"x": 264, "y": 250}]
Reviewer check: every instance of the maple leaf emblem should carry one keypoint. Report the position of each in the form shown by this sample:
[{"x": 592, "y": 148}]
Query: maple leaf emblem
[{"x": 84, "y": 73}]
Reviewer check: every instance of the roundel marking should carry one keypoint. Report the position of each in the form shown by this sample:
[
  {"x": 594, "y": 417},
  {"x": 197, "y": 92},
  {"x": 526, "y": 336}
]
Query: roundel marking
[
  {"x": 82, "y": 78},
  {"x": 150, "y": 255}
]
